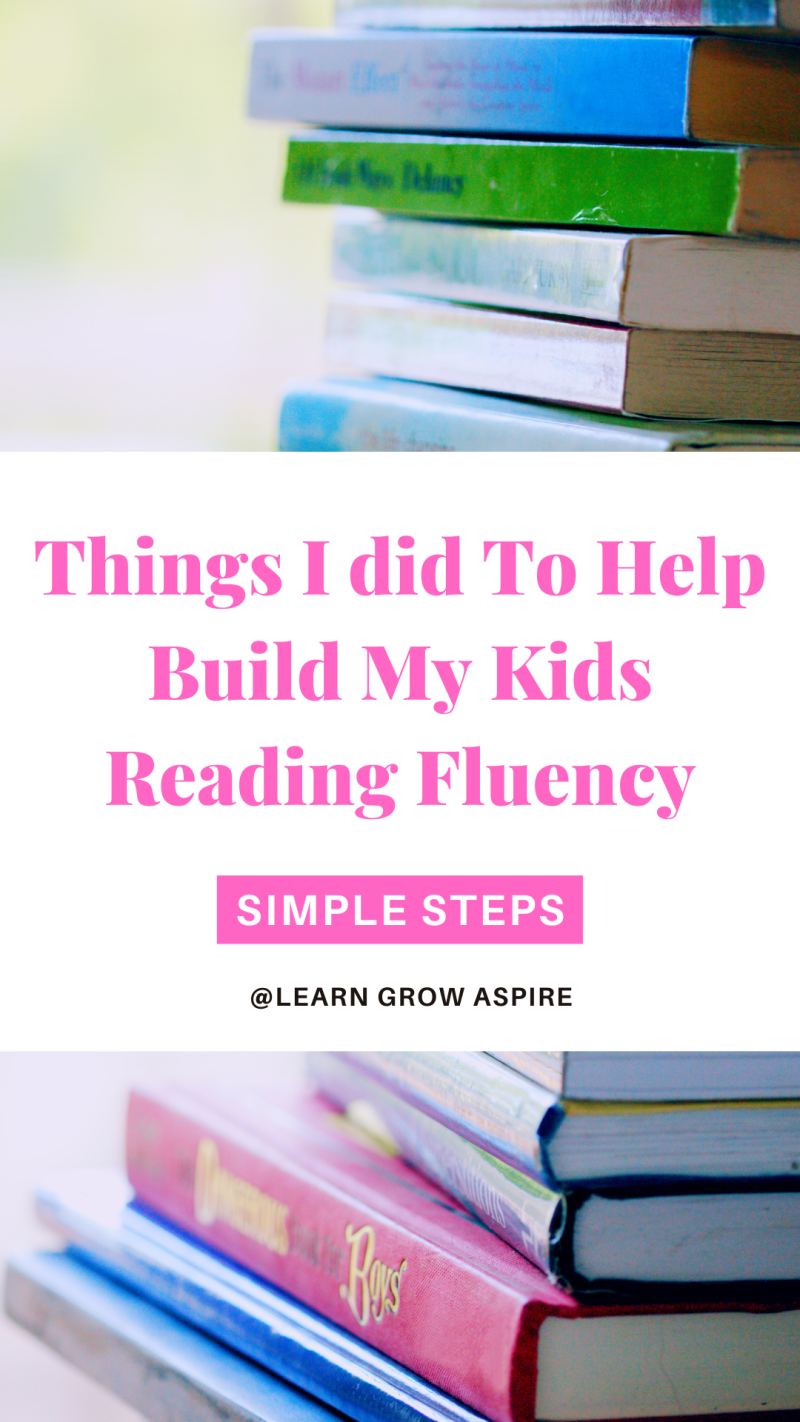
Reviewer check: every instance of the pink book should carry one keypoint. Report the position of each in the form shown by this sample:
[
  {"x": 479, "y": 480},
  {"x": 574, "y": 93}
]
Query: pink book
[{"x": 283, "y": 1189}]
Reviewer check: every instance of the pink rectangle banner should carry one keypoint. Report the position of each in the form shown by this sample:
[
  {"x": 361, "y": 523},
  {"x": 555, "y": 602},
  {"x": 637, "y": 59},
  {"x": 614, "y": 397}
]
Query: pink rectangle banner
[{"x": 400, "y": 908}]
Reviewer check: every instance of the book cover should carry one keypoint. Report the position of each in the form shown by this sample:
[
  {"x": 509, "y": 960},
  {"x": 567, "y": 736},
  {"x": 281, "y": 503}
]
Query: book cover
[
  {"x": 589, "y": 85},
  {"x": 713, "y": 190}
]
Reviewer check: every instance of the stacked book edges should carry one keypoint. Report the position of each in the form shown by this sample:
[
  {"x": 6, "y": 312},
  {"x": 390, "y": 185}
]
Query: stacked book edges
[
  {"x": 449, "y": 1236},
  {"x": 763, "y": 17},
  {"x": 599, "y": 221}
]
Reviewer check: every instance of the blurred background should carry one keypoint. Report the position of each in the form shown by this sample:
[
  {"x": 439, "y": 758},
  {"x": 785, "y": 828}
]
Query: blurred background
[
  {"x": 67, "y": 1109},
  {"x": 154, "y": 293}
]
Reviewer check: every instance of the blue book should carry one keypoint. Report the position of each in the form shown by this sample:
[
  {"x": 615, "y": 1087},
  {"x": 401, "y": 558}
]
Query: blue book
[
  {"x": 705, "y": 88},
  {"x": 150, "y": 1360},
  {"x": 604, "y": 1362},
  {"x": 93, "y": 1210},
  {"x": 349, "y": 416}
]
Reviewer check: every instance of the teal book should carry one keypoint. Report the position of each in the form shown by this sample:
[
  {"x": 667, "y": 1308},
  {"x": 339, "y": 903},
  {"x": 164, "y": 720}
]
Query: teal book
[
  {"x": 666, "y": 281},
  {"x": 361, "y": 416},
  {"x": 674, "y": 189}
]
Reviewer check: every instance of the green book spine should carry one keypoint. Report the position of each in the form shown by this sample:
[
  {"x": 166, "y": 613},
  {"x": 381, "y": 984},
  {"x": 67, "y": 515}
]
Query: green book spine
[{"x": 559, "y": 184}]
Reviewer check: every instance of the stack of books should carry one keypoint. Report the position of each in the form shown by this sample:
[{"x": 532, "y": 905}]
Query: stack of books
[
  {"x": 553, "y": 236},
  {"x": 456, "y": 1236}
]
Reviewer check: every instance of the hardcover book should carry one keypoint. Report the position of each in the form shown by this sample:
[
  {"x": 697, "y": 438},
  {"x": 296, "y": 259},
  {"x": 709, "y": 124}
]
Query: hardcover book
[
  {"x": 349, "y": 1232},
  {"x": 342, "y": 416},
  {"x": 738, "y": 15},
  {"x": 718, "y": 190},
  {"x": 368, "y": 1244},
  {"x": 710, "y": 89},
  {"x": 704, "y": 375},
  {"x": 632, "y": 279}
]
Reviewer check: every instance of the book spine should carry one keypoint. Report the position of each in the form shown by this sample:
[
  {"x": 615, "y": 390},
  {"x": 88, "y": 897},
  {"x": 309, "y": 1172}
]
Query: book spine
[
  {"x": 626, "y": 86},
  {"x": 444, "y": 1319},
  {"x": 527, "y": 269},
  {"x": 416, "y": 339},
  {"x": 518, "y": 1208},
  {"x": 346, "y": 416},
  {"x": 475, "y": 1096},
  {"x": 544, "y": 14},
  {"x": 496, "y": 180}
]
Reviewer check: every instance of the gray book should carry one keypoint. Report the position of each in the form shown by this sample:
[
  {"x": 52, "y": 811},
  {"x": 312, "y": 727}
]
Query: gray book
[{"x": 158, "y": 1365}]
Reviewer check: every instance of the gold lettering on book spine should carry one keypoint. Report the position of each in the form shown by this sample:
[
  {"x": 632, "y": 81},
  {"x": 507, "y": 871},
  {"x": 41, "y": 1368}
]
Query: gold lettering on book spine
[
  {"x": 219, "y": 1195},
  {"x": 372, "y": 1288}
]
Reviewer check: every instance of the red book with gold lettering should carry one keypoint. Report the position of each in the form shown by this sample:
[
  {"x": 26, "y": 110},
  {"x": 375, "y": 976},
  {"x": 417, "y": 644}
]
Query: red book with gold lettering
[{"x": 285, "y": 1190}]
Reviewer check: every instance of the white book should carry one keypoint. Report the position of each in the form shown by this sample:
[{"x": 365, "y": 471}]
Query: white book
[{"x": 703, "y": 375}]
